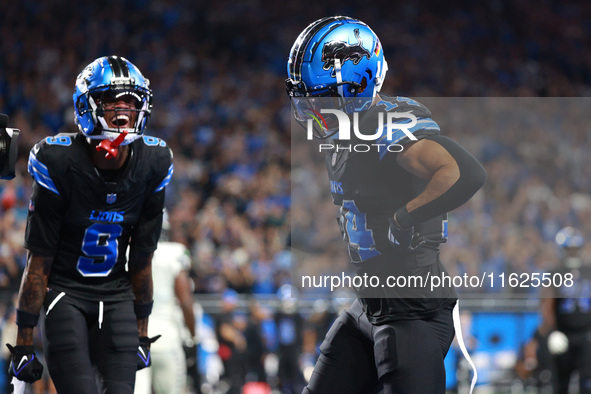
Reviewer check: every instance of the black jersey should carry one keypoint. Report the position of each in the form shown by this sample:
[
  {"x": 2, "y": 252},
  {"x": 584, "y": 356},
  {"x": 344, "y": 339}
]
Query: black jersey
[
  {"x": 369, "y": 187},
  {"x": 87, "y": 221},
  {"x": 573, "y": 303}
]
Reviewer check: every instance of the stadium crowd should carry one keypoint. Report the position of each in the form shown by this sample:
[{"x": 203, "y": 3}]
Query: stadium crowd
[{"x": 217, "y": 70}]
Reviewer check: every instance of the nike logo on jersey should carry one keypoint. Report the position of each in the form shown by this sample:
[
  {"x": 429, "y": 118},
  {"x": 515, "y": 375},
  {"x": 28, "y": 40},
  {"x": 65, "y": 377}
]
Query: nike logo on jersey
[{"x": 110, "y": 217}]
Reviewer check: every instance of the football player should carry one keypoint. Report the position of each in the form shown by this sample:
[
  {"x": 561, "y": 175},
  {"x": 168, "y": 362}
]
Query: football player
[
  {"x": 566, "y": 316},
  {"x": 172, "y": 315},
  {"x": 393, "y": 210},
  {"x": 96, "y": 194}
]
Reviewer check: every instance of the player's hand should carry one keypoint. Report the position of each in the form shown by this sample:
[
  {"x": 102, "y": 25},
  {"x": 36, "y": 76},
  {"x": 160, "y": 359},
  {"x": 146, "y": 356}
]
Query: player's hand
[
  {"x": 24, "y": 364},
  {"x": 557, "y": 342},
  {"x": 143, "y": 352},
  {"x": 403, "y": 238},
  {"x": 190, "y": 349}
]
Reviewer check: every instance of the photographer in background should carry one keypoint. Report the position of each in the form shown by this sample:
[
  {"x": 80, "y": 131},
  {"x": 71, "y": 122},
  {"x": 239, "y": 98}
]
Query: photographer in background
[{"x": 8, "y": 148}]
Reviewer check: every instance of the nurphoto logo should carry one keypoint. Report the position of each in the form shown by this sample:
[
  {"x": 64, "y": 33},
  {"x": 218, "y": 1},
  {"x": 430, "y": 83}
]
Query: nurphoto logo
[{"x": 397, "y": 126}]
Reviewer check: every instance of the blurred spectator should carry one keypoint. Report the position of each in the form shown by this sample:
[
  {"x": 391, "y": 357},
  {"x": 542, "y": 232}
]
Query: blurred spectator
[
  {"x": 290, "y": 324},
  {"x": 230, "y": 325}
]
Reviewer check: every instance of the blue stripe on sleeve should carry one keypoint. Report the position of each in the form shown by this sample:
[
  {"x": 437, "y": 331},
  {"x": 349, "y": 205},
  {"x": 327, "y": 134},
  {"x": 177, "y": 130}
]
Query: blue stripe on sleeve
[
  {"x": 40, "y": 173},
  {"x": 166, "y": 179}
]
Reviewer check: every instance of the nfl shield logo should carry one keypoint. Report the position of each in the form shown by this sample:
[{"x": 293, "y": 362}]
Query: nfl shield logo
[{"x": 111, "y": 198}]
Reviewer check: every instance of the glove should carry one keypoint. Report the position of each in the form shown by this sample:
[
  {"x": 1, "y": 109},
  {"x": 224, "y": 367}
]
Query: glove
[
  {"x": 404, "y": 239},
  {"x": 143, "y": 352},
  {"x": 557, "y": 342},
  {"x": 24, "y": 364},
  {"x": 190, "y": 349}
]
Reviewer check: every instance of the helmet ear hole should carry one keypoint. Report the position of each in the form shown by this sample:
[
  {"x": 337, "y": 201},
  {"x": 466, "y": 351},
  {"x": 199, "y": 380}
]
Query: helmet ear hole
[{"x": 363, "y": 85}]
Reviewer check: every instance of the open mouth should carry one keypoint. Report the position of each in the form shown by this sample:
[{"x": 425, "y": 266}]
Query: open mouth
[{"x": 121, "y": 120}]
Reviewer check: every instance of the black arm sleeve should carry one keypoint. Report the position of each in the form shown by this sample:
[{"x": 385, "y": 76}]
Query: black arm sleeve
[{"x": 472, "y": 177}]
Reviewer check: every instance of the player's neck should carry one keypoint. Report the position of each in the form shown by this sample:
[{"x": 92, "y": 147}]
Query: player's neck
[{"x": 101, "y": 162}]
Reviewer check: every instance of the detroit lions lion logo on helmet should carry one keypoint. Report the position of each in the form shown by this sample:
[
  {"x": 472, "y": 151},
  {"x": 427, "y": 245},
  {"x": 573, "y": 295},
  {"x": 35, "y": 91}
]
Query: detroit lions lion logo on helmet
[
  {"x": 343, "y": 51},
  {"x": 83, "y": 78}
]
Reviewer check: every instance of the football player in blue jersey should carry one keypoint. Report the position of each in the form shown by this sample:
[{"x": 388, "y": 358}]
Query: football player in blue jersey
[
  {"x": 393, "y": 206},
  {"x": 96, "y": 194},
  {"x": 566, "y": 315}
]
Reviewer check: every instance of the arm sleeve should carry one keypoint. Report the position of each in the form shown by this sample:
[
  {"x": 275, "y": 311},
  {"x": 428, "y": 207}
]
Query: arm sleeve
[{"x": 472, "y": 178}]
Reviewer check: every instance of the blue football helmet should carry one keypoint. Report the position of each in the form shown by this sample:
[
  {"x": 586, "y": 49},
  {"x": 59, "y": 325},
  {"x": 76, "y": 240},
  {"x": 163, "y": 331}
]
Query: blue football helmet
[
  {"x": 110, "y": 78},
  {"x": 336, "y": 56},
  {"x": 570, "y": 241}
]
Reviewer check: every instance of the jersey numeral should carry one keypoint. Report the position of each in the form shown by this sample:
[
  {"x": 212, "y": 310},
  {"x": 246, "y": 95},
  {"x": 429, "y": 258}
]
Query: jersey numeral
[
  {"x": 61, "y": 140},
  {"x": 153, "y": 141},
  {"x": 355, "y": 231},
  {"x": 101, "y": 247}
]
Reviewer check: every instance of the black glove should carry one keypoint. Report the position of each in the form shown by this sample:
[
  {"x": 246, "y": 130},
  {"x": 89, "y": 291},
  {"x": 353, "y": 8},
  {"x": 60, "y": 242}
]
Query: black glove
[
  {"x": 194, "y": 379},
  {"x": 190, "y": 349},
  {"x": 404, "y": 239},
  {"x": 143, "y": 352},
  {"x": 24, "y": 364}
]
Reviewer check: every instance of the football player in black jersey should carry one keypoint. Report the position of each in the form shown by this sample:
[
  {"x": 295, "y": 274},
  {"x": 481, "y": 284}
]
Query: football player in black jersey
[
  {"x": 566, "y": 316},
  {"x": 96, "y": 194},
  {"x": 393, "y": 206}
]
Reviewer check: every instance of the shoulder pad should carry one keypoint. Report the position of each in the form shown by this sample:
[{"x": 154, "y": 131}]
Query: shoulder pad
[
  {"x": 403, "y": 104},
  {"x": 159, "y": 155},
  {"x": 44, "y": 159},
  {"x": 407, "y": 120}
]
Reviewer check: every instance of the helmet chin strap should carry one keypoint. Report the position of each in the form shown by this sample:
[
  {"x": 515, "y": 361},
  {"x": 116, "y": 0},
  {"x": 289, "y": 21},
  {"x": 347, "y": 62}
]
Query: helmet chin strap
[
  {"x": 111, "y": 147},
  {"x": 381, "y": 75}
]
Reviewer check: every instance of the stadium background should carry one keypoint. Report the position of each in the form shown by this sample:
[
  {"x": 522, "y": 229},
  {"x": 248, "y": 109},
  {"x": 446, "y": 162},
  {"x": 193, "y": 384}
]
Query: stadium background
[{"x": 217, "y": 71}]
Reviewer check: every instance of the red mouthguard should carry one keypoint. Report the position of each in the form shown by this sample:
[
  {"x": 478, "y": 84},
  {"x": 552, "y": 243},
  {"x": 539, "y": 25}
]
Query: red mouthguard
[{"x": 111, "y": 146}]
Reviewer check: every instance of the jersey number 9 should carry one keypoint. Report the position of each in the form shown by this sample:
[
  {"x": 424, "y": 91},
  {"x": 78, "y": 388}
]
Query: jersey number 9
[{"x": 101, "y": 247}]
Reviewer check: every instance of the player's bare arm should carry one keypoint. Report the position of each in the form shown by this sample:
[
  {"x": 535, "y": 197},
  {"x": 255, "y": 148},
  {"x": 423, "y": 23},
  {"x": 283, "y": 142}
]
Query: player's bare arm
[
  {"x": 140, "y": 270},
  {"x": 182, "y": 290},
  {"x": 32, "y": 293},
  {"x": 454, "y": 176},
  {"x": 429, "y": 160}
]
